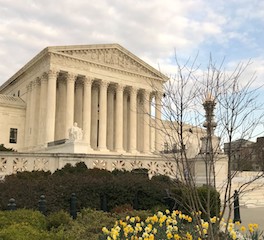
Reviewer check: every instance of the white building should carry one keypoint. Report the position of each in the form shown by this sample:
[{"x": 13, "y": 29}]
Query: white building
[{"x": 105, "y": 89}]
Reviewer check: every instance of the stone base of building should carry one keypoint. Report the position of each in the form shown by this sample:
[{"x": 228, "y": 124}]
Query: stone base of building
[
  {"x": 79, "y": 147},
  {"x": 67, "y": 146}
]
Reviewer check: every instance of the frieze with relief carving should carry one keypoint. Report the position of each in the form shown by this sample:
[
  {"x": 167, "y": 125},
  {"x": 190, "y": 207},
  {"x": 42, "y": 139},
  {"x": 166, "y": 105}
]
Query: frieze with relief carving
[{"x": 113, "y": 57}]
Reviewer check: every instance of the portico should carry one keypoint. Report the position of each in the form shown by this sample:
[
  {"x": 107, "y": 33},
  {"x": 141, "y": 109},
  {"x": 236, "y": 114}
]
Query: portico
[
  {"x": 110, "y": 93},
  {"x": 113, "y": 116}
]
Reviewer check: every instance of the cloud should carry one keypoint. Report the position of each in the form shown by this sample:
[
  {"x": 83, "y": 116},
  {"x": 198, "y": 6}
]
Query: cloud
[{"x": 150, "y": 29}]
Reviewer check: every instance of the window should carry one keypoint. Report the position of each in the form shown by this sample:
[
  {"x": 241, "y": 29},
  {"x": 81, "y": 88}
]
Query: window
[
  {"x": 174, "y": 148},
  {"x": 13, "y": 135},
  {"x": 166, "y": 147}
]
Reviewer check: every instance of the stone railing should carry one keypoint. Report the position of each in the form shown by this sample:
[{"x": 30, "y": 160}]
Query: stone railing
[
  {"x": 17, "y": 162},
  {"x": 12, "y": 162}
]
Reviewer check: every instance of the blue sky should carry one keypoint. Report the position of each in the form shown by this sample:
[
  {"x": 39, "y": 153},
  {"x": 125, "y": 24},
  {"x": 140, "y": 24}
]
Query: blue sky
[{"x": 153, "y": 30}]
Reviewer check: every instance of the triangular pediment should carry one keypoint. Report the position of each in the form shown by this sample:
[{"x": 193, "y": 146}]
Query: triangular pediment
[{"x": 112, "y": 55}]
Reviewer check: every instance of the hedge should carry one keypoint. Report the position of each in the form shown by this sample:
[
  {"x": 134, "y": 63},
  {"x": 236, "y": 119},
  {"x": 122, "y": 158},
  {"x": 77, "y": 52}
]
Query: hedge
[{"x": 96, "y": 189}]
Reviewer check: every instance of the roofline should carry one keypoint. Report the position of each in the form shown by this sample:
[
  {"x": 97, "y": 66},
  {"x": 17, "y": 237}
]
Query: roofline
[
  {"x": 109, "y": 45},
  {"x": 24, "y": 68},
  {"x": 78, "y": 47}
]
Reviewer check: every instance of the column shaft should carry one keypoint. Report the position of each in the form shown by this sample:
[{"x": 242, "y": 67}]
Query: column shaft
[
  {"x": 102, "y": 116},
  {"x": 37, "y": 109},
  {"x": 125, "y": 121},
  {"x": 146, "y": 124},
  {"x": 69, "y": 103},
  {"x": 32, "y": 113},
  {"x": 158, "y": 124},
  {"x": 27, "y": 127},
  {"x": 60, "y": 109},
  {"x": 78, "y": 104},
  {"x": 94, "y": 117},
  {"x": 119, "y": 119},
  {"x": 133, "y": 120},
  {"x": 42, "y": 109},
  {"x": 110, "y": 119},
  {"x": 87, "y": 110},
  {"x": 51, "y": 106}
]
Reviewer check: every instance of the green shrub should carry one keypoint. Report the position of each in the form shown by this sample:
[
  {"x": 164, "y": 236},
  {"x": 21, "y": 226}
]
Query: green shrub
[
  {"x": 25, "y": 231},
  {"x": 214, "y": 203},
  {"x": 58, "y": 219},
  {"x": 143, "y": 214},
  {"x": 122, "y": 208},
  {"x": 34, "y": 175},
  {"x": 68, "y": 168},
  {"x": 32, "y": 218},
  {"x": 89, "y": 224},
  {"x": 119, "y": 187}
]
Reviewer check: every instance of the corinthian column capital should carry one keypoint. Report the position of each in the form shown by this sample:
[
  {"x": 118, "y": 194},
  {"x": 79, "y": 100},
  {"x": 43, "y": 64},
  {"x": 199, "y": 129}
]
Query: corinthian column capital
[
  {"x": 133, "y": 90},
  {"x": 120, "y": 87},
  {"x": 29, "y": 86},
  {"x": 38, "y": 81},
  {"x": 71, "y": 77},
  {"x": 87, "y": 80},
  {"x": 53, "y": 73},
  {"x": 158, "y": 95},
  {"x": 104, "y": 84}
]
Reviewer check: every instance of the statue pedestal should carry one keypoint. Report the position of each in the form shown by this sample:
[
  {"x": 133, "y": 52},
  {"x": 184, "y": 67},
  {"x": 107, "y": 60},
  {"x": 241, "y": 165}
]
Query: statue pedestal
[{"x": 69, "y": 147}]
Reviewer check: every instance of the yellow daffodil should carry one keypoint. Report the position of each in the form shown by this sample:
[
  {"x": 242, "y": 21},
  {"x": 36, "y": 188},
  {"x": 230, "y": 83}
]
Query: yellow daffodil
[
  {"x": 243, "y": 229},
  {"x": 169, "y": 235}
]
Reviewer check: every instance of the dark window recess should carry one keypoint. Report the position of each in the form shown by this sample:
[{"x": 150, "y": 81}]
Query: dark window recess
[
  {"x": 13, "y": 135},
  {"x": 18, "y": 93}
]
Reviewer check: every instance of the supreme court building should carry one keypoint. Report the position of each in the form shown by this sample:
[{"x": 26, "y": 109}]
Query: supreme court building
[
  {"x": 99, "y": 104},
  {"x": 103, "y": 89}
]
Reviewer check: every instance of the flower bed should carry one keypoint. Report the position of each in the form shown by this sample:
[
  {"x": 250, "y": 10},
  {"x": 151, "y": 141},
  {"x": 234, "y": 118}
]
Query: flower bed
[{"x": 176, "y": 225}]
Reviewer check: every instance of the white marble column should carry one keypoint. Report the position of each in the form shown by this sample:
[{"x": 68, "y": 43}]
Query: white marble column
[
  {"x": 87, "y": 93},
  {"x": 32, "y": 113},
  {"x": 37, "y": 107},
  {"x": 110, "y": 118},
  {"x": 102, "y": 116},
  {"x": 146, "y": 123},
  {"x": 140, "y": 123},
  {"x": 125, "y": 121},
  {"x": 78, "y": 104},
  {"x": 42, "y": 108},
  {"x": 27, "y": 127},
  {"x": 133, "y": 121},
  {"x": 158, "y": 125},
  {"x": 70, "y": 81},
  {"x": 94, "y": 117},
  {"x": 51, "y": 105},
  {"x": 119, "y": 118},
  {"x": 60, "y": 109}
]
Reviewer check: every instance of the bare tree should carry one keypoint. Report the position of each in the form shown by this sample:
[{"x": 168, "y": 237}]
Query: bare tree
[{"x": 191, "y": 99}]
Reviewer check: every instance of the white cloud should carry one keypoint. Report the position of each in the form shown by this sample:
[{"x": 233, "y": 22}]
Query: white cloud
[{"x": 150, "y": 29}]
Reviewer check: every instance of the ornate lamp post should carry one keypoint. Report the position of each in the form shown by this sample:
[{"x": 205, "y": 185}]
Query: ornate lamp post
[
  {"x": 210, "y": 143},
  {"x": 209, "y": 124}
]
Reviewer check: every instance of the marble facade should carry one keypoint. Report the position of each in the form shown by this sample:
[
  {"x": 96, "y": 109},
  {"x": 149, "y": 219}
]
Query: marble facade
[{"x": 105, "y": 89}]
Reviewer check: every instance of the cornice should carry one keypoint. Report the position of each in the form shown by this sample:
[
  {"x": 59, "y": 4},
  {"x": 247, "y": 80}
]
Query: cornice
[
  {"x": 82, "y": 48},
  {"x": 58, "y": 51},
  {"x": 105, "y": 67}
]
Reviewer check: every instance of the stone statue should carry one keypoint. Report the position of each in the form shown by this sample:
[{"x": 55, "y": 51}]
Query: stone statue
[{"x": 75, "y": 133}]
